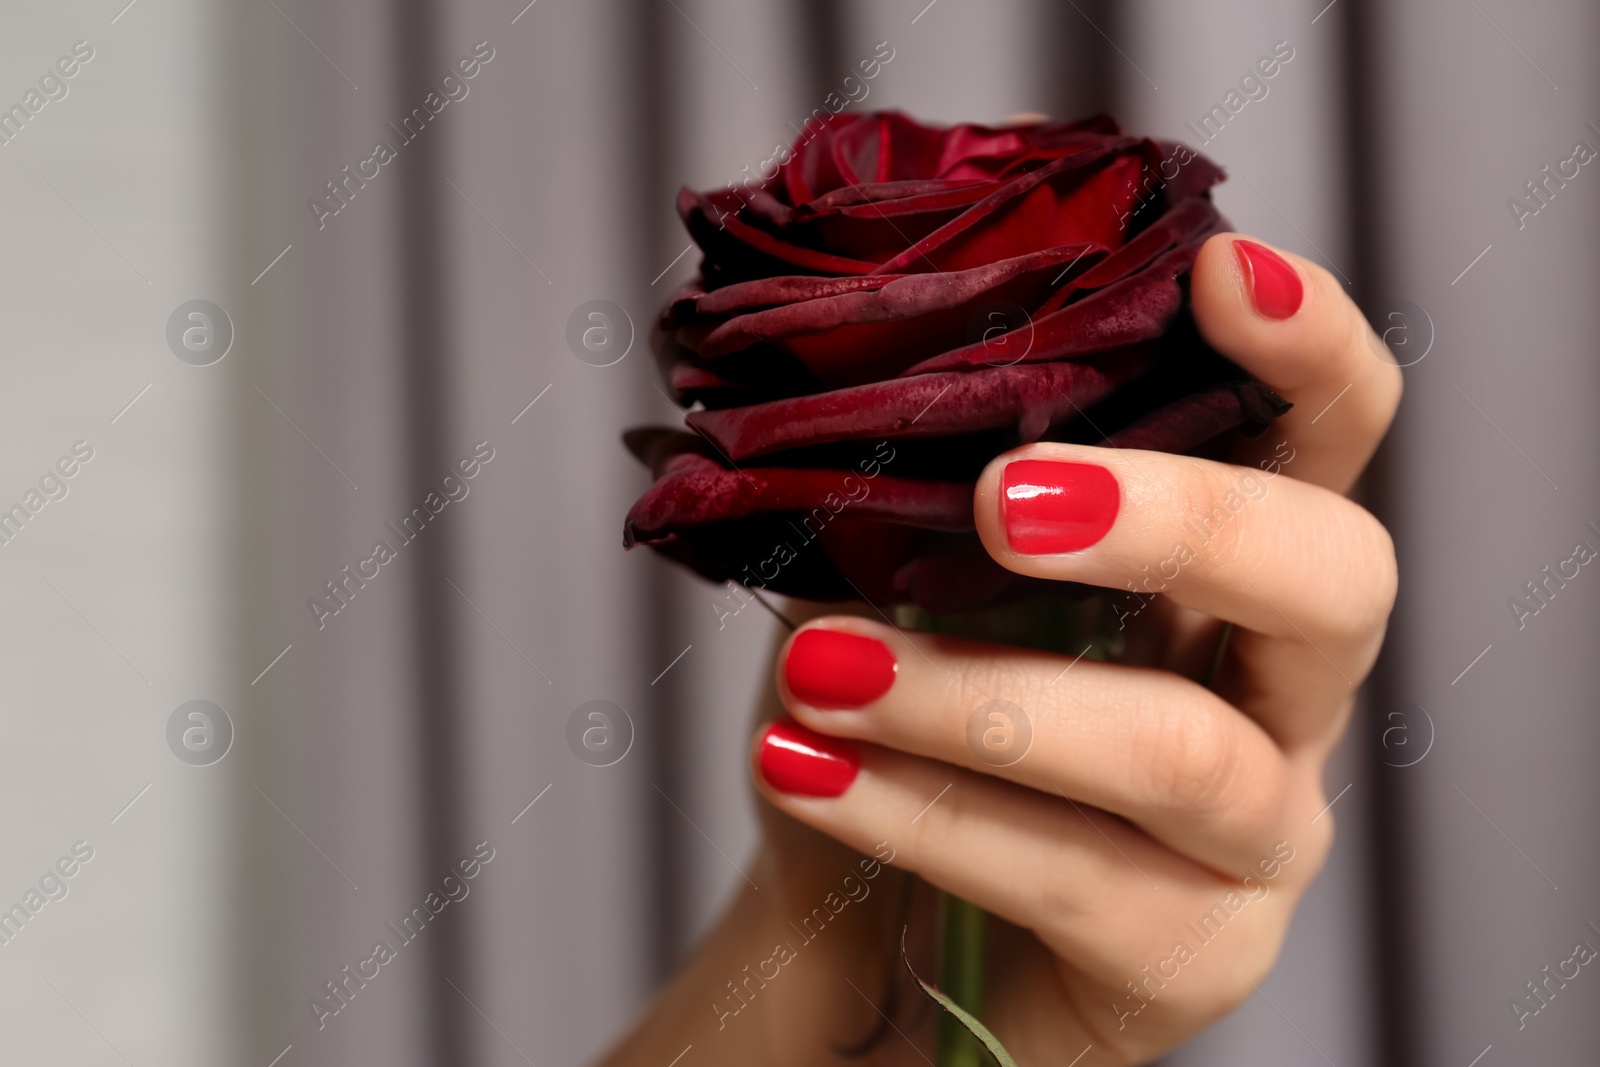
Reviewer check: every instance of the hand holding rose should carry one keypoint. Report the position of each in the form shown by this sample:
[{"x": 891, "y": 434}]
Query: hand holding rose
[
  {"x": 1143, "y": 855},
  {"x": 1147, "y": 853}
]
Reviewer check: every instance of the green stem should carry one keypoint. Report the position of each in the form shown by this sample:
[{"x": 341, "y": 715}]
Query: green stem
[
  {"x": 1054, "y": 628},
  {"x": 1210, "y": 678},
  {"x": 1049, "y": 625},
  {"x": 961, "y": 978}
]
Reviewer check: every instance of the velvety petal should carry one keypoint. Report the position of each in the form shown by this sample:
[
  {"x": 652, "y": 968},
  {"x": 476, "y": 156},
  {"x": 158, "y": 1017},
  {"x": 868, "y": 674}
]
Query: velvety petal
[
  {"x": 694, "y": 490},
  {"x": 736, "y": 250},
  {"x": 1026, "y": 398},
  {"x": 866, "y": 553},
  {"x": 762, "y": 552},
  {"x": 869, "y": 233},
  {"x": 682, "y": 305},
  {"x": 758, "y": 206},
  {"x": 778, "y": 291},
  {"x": 1188, "y": 223},
  {"x": 829, "y": 320},
  {"x": 1188, "y": 423},
  {"x": 1036, "y": 143},
  {"x": 876, "y": 222},
  {"x": 868, "y": 335},
  {"x": 1079, "y": 198},
  {"x": 842, "y": 341},
  {"x": 891, "y": 146},
  {"x": 811, "y": 170},
  {"x": 973, "y": 151},
  {"x": 1188, "y": 173},
  {"x": 898, "y": 198},
  {"x": 692, "y": 382},
  {"x": 761, "y": 374},
  {"x": 955, "y": 582},
  {"x": 1139, "y": 308}
]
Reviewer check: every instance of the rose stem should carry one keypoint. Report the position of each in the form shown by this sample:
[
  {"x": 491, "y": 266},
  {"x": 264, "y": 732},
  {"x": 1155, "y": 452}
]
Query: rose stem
[
  {"x": 961, "y": 978},
  {"x": 1210, "y": 677}
]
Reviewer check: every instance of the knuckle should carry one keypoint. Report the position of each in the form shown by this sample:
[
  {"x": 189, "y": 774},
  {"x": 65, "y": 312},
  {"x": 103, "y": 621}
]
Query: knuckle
[
  {"x": 976, "y": 680},
  {"x": 1198, "y": 492},
  {"x": 1200, "y": 767},
  {"x": 1369, "y": 575},
  {"x": 1061, "y": 902},
  {"x": 1215, "y": 522}
]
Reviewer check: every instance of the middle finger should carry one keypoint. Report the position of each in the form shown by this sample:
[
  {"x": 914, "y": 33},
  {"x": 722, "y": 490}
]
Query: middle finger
[{"x": 1148, "y": 745}]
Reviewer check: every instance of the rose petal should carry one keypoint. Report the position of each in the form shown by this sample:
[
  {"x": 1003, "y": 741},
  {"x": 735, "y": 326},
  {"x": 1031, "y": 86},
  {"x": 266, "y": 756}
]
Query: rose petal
[
  {"x": 948, "y": 583},
  {"x": 691, "y": 382},
  {"x": 867, "y": 335},
  {"x": 780, "y": 290},
  {"x": 1190, "y": 223},
  {"x": 681, "y": 305},
  {"x": 1029, "y": 399},
  {"x": 890, "y": 146},
  {"x": 736, "y": 250},
  {"x": 895, "y": 197},
  {"x": 760, "y": 552},
  {"x": 694, "y": 490},
  {"x": 1189, "y": 423},
  {"x": 877, "y": 227},
  {"x": 1136, "y": 309},
  {"x": 811, "y": 170},
  {"x": 1071, "y": 200},
  {"x": 1194, "y": 176},
  {"x": 877, "y": 242}
]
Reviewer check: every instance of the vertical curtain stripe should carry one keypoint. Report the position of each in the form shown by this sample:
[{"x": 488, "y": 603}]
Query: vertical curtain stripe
[{"x": 437, "y": 708}]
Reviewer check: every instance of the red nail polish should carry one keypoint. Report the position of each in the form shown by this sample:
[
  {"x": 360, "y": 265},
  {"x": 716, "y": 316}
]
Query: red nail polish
[
  {"x": 799, "y": 761},
  {"x": 1274, "y": 285},
  {"x": 1049, "y": 507},
  {"x": 834, "y": 669}
]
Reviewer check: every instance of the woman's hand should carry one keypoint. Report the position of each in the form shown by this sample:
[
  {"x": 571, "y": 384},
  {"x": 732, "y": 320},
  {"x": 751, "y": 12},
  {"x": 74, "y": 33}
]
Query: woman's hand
[{"x": 1148, "y": 849}]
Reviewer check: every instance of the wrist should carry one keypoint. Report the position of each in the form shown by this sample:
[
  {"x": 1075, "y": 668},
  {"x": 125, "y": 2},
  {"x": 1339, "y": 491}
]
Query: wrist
[{"x": 793, "y": 972}]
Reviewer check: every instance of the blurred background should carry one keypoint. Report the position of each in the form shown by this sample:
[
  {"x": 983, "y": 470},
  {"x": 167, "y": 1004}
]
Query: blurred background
[{"x": 251, "y": 359}]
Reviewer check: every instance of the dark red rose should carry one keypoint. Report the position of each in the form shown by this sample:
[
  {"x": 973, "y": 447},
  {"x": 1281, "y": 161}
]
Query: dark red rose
[{"x": 897, "y": 305}]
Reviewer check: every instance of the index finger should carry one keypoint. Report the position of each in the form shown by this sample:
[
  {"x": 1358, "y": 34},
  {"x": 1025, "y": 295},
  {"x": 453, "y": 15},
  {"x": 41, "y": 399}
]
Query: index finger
[
  {"x": 1289, "y": 323},
  {"x": 1308, "y": 574}
]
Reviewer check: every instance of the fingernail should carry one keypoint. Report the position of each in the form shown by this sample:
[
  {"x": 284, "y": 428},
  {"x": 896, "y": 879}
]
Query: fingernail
[
  {"x": 1274, "y": 285},
  {"x": 834, "y": 669},
  {"x": 1049, "y": 507},
  {"x": 803, "y": 762}
]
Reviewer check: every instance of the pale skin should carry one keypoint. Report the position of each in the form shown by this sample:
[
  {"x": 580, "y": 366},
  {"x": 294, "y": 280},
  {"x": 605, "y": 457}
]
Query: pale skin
[{"x": 1146, "y": 800}]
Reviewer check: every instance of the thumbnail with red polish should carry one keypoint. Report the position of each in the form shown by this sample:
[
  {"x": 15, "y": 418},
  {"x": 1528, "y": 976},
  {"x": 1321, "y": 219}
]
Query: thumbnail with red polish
[
  {"x": 1049, "y": 507},
  {"x": 1274, "y": 285},
  {"x": 802, "y": 762},
  {"x": 834, "y": 669}
]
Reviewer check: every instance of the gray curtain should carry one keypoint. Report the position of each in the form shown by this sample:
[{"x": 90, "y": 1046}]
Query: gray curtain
[{"x": 401, "y": 317}]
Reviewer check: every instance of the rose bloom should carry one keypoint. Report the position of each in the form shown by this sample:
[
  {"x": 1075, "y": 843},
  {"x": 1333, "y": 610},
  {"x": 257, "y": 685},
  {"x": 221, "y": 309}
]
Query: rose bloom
[{"x": 897, "y": 305}]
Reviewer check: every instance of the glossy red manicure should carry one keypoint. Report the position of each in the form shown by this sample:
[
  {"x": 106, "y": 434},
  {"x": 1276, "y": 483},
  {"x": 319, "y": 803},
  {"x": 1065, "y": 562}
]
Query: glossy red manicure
[
  {"x": 799, "y": 761},
  {"x": 1050, "y": 507},
  {"x": 834, "y": 669},
  {"x": 1274, "y": 285}
]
